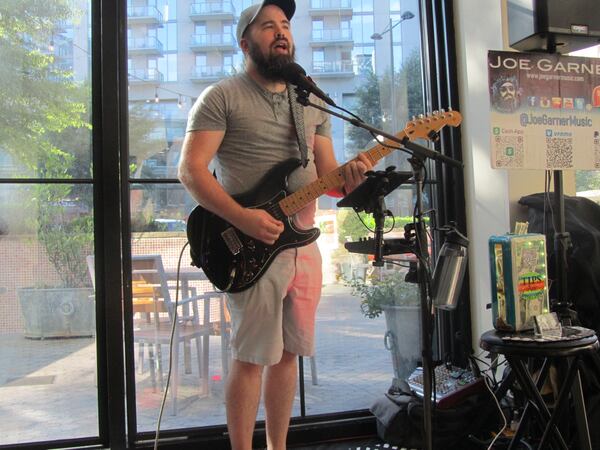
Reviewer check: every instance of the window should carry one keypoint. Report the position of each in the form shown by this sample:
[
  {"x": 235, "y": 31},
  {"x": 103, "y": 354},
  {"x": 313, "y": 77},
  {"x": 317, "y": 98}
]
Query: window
[
  {"x": 46, "y": 183},
  {"x": 587, "y": 182},
  {"x": 359, "y": 6},
  {"x": 200, "y": 28},
  {"x": 362, "y": 29},
  {"x": 48, "y": 322},
  {"x": 168, "y": 36},
  {"x": 318, "y": 59},
  {"x": 201, "y": 60},
  {"x": 317, "y": 29}
]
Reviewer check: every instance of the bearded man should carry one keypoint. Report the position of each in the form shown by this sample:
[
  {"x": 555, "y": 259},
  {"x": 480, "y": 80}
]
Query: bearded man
[{"x": 246, "y": 125}]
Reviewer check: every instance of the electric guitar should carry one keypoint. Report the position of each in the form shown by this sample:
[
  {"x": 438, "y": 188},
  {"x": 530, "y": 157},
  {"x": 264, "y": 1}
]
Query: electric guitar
[{"x": 233, "y": 261}]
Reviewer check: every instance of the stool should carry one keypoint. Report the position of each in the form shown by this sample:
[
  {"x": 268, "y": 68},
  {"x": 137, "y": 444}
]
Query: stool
[{"x": 517, "y": 349}]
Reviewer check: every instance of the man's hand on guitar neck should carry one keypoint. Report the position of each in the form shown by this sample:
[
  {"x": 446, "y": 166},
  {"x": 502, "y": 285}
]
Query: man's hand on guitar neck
[
  {"x": 354, "y": 172},
  {"x": 261, "y": 225}
]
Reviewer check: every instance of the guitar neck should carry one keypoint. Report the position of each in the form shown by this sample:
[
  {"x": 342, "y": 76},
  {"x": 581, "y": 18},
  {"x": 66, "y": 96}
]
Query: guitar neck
[{"x": 293, "y": 203}]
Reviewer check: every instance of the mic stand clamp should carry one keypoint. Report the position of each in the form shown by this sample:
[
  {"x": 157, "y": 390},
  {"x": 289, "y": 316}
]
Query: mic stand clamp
[{"x": 302, "y": 96}]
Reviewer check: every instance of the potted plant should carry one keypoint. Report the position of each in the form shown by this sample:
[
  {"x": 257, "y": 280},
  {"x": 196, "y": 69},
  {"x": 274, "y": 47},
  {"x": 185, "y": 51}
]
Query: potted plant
[
  {"x": 400, "y": 303},
  {"x": 65, "y": 231}
]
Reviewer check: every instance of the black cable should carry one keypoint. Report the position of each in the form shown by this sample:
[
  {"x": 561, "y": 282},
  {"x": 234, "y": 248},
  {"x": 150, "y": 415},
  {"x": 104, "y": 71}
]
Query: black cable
[
  {"x": 373, "y": 231},
  {"x": 396, "y": 263},
  {"x": 164, "y": 399}
]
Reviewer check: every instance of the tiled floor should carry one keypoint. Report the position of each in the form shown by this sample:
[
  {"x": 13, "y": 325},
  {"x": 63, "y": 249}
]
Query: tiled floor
[{"x": 48, "y": 388}]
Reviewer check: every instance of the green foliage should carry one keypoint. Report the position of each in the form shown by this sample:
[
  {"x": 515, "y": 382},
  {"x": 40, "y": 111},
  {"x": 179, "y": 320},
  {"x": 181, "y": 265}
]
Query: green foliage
[
  {"x": 410, "y": 80},
  {"x": 144, "y": 142},
  {"x": 368, "y": 109},
  {"x": 587, "y": 180},
  {"x": 374, "y": 98},
  {"x": 37, "y": 100},
  {"x": 350, "y": 224},
  {"x": 391, "y": 290},
  {"x": 67, "y": 236},
  {"x": 45, "y": 128}
]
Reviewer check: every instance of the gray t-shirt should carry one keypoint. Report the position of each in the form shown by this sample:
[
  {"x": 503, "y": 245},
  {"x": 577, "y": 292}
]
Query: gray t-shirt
[{"x": 260, "y": 133}]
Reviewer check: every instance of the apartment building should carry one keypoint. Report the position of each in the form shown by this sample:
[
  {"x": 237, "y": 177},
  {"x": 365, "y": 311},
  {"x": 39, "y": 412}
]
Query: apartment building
[{"x": 179, "y": 47}]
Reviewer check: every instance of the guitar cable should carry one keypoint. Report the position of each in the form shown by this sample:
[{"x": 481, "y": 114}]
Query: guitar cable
[{"x": 164, "y": 398}]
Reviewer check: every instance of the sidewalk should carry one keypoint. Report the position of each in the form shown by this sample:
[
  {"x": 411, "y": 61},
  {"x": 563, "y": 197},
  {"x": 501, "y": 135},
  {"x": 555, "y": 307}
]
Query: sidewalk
[{"x": 48, "y": 389}]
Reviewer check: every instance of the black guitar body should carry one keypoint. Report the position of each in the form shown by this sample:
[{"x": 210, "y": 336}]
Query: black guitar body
[{"x": 231, "y": 260}]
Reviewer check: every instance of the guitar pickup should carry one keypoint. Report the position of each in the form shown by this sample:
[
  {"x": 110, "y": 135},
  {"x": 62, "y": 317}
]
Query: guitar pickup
[{"x": 232, "y": 240}]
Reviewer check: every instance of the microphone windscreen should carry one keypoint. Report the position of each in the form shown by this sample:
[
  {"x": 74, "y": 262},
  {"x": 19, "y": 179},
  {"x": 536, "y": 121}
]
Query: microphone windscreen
[{"x": 292, "y": 72}]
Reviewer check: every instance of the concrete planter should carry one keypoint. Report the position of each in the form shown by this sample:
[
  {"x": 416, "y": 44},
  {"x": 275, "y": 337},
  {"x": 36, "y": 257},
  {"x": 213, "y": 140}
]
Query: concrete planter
[
  {"x": 403, "y": 338},
  {"x": 60, "y": 312}
]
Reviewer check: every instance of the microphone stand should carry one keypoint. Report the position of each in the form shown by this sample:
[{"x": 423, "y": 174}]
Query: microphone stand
[
  {"x": 417, "y": 149},
  {"x": 419, "y": 153}
]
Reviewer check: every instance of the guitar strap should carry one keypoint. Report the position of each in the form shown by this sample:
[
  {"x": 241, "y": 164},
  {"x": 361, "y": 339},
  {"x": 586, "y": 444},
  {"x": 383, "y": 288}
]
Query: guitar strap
[{"x": 298, "y": 116}]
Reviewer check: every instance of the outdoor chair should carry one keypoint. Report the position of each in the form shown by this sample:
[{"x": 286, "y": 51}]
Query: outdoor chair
[{"x": 153, "y": 306}]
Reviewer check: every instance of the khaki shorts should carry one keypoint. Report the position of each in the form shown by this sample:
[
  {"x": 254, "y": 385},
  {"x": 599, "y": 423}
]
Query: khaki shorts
[{"x": 278, "y": 312}]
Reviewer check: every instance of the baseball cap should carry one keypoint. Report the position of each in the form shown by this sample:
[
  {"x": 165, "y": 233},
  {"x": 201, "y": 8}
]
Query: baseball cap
[{"x": 249, "y": 14}]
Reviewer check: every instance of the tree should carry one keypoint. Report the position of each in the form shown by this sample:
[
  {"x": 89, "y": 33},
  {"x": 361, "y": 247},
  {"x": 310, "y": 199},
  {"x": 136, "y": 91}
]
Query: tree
[
  {"x": 587, "y": 180},
  {"x": 144, "y": 140},
  {"x": 368, "y": 108},
  {"x": 374, "y": 97},
  {"x": 37, "y": 99}
]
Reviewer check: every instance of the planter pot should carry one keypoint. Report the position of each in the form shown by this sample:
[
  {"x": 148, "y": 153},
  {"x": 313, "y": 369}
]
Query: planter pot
[
  {"x": 61, "y": 312},
  {"x": 403, "y": 338}
]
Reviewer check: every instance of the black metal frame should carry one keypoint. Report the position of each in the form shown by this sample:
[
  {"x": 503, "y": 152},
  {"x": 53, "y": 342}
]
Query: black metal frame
[
  {"x": 107, "y": 81},
  {"x": 441, "y": 88}
]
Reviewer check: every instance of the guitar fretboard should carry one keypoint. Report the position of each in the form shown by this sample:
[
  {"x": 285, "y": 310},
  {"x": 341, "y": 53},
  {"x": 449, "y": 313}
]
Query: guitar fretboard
[{"x": 293, "y": 203}]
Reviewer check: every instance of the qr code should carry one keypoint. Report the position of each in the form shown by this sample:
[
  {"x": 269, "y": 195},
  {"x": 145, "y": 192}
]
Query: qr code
[
  {"x": 508, "y": 151},
  {"x": 597, "y": 153},
  {"x": 559, "y": 153}
]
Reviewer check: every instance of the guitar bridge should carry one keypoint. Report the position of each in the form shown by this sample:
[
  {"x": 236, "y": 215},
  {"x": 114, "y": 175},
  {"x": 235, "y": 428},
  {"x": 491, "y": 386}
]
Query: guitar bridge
[{"x": 232, "y": 240}]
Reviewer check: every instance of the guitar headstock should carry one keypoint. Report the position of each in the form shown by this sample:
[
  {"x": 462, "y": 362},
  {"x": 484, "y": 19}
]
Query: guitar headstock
[{"x": 427, "y": 126}]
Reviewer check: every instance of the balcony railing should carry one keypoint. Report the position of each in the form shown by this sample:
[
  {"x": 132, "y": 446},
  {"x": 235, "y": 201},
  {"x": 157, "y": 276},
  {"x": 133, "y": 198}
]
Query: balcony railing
[
  {"x": 214, "y": 40},
  {"x": 148, "y": 44},
  {"x": 332, "y": 36},
  {"x": 207, "y": 73},
  {"x": 330, "y": 4},
  {"x": 145, "y": 76},
  {"x": 332, "y": 68},
  {"x": 146, "y": 14},
  {"x": 199, "y": 10}
]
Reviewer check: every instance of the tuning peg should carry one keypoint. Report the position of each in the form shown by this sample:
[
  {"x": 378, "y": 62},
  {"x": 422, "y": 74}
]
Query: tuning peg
[
  {"x": 413, "y": 118},
  {"x": 421, "y": 116},
  {"x": 442, "y": 110},
  {"x": 436, "y": 112},
  {"x": 449, "y": 109}
]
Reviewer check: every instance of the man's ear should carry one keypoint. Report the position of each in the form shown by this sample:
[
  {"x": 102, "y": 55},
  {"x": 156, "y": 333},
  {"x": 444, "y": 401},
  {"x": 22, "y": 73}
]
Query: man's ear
[{"x": 244, "y": 45}]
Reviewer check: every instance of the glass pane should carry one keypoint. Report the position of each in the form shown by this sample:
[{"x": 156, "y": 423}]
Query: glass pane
[
  {"x": 356, "y": 73},
  {"x": 47, "y": 310},
  {"x": 45, "y": 103},
  {"x": 587, "y": 182},
  {"x": 158, "y": 225}
]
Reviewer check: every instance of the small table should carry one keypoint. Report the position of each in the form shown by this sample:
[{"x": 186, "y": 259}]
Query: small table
[{"x": 518, "y": 348}]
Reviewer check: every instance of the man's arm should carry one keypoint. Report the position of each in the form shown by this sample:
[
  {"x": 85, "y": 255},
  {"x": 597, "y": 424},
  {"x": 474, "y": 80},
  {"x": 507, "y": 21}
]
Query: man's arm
[
  {"x": 353, "y": 171},
  {"x": 199, "y": 148}
]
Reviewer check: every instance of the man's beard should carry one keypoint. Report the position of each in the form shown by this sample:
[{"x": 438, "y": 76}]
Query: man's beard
[{"x": 270, "y": 67}]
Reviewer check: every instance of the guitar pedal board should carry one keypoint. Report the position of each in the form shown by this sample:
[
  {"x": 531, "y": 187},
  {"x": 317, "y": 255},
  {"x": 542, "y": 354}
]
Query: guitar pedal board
[{"x": 452, "y": 384}]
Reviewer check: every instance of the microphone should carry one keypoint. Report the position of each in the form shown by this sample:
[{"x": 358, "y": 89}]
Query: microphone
[{"x": 294, "y": 73}]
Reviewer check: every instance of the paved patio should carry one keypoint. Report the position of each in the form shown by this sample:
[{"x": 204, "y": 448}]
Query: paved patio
[{"x": 48, "y": 389}]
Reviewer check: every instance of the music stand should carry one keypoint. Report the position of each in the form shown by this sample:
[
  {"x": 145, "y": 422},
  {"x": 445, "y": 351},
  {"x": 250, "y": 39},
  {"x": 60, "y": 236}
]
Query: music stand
[{"x": 378, "y": 184}]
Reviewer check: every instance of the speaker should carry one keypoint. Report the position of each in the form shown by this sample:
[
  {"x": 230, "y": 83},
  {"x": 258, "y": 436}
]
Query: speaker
[{"x": 553, "y": 25}]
